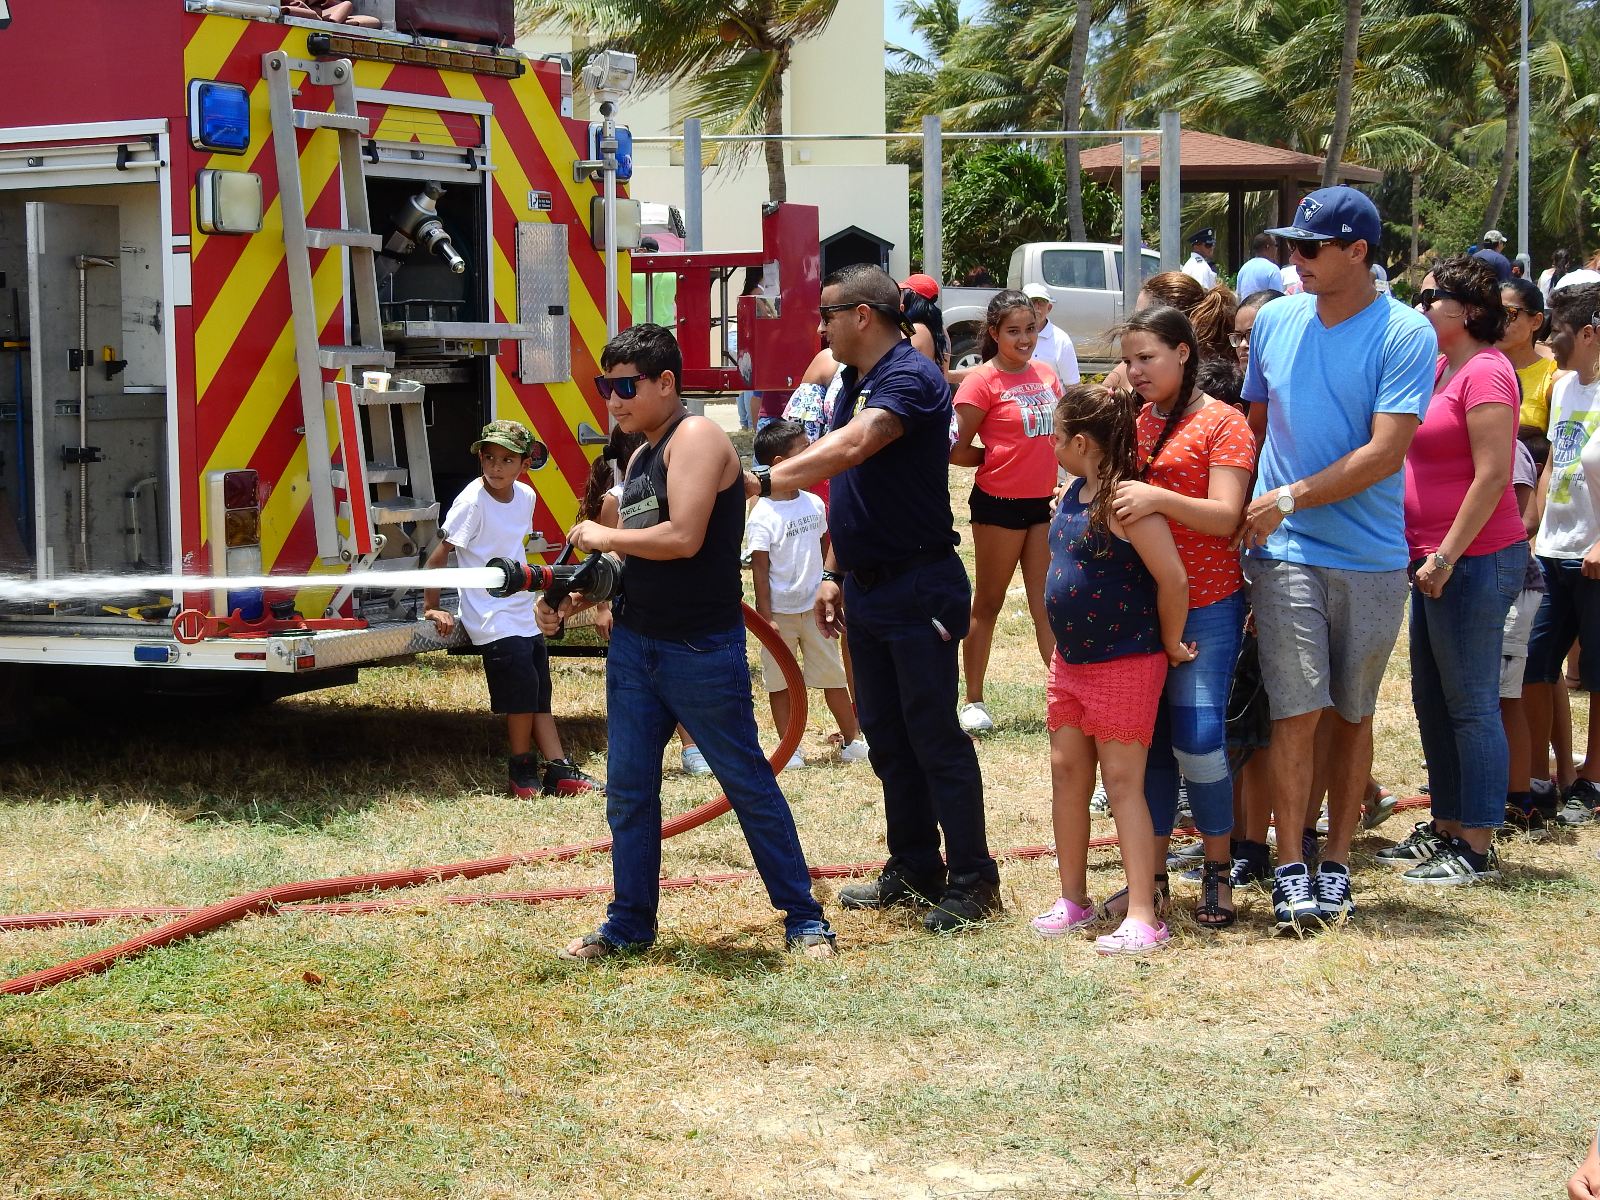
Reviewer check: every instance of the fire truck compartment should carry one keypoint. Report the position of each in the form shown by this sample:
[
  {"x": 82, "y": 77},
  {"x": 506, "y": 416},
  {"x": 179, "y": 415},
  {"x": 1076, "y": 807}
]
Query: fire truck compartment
[{"x": 83, "y": 381}]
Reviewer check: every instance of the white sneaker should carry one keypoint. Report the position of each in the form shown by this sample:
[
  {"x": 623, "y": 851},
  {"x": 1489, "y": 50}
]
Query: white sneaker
[
  {"x": 855, "y": 751},
  {"x": 975, "y": 718},
  {"x": 795, "y": 763},
  {"x": 1099, "y": 802},
  {"x": 694, "y": 762}
]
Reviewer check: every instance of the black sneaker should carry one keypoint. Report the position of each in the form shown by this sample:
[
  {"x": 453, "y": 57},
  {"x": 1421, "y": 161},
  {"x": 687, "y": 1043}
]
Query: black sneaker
[
  {"x": 1546, "y": 797},
  {"x": 967, "y": 900},
  {"x": 1453, "y": 866},
  {"x": 1581, "y": 799},
  {"x": 523, "y": 770},
  {"x": 1421, "y": 844},
  {"x": 1334, "y": 900},
  {"x": 891, "y": 889},
  {"x": 1250, "y": 864},
  {"x": 1523, "y": 820},
  {"x": 1294, "y": 900},
  {"x": 561, "y": 778}
]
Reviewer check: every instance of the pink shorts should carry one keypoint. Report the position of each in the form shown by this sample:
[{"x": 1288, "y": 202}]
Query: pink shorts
[{"x": 1112, "y": 701}]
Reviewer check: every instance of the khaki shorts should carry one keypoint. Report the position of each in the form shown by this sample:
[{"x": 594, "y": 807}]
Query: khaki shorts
[
  {"x": 1514, "y": 650},
  {"x": 1325, "y": 634},
  {"x": 820, "y": 662}
]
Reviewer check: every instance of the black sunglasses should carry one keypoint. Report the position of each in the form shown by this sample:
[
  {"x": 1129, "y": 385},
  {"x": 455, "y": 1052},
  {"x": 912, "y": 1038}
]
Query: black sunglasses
[
  {"x": 1427, "y": 296},
  {"x": 626, "y": 386},
  {"x": 1310, "y": 247},
  {"x": 826, "y": 311}
]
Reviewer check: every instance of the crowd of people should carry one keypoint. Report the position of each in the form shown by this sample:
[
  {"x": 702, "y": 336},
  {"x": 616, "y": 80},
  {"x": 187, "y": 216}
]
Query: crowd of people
[{"x": 1247, "y": 506}]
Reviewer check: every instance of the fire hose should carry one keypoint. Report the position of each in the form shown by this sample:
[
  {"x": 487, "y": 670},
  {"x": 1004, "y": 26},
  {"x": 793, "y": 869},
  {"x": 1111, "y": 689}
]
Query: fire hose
[{"x": 304, "y": 896}]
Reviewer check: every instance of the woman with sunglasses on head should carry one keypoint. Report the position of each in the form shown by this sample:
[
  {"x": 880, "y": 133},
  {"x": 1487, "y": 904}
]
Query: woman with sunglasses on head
[
  {"x": 1008, "y": 404},
  {"x": 1469, "y": 555},
  {"x": 1536, "y": 372},
  {"x": 1196, "y": 457}
]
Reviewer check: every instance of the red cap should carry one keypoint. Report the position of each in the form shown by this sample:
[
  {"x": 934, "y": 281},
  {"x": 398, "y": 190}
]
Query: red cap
[{"x": 923, "y": 285}]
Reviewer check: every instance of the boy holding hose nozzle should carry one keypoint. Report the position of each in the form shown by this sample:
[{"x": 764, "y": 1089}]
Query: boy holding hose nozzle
[
  {"x": 493, "y": 517},
  {"x": 678, "y": 650}
]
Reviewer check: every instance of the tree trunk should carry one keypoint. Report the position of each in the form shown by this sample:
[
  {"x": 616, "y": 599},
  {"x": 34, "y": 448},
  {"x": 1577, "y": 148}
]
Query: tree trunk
[
  {"x": 1341, "y": 104},
  {"x": 1416, "y": 219},
  {"x": 1508, "y": 161},
  {"x": 1072, "y": 111},
  {"x": 776, "y": 152}
]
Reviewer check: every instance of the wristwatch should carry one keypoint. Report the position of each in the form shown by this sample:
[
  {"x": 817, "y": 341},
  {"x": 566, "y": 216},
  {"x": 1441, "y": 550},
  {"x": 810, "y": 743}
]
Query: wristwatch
[
  {"x": 1440, "y": 561},
  {"x": 1285, "y": 501},
  {"x": 833, "y": 576},
  {"x": 763, "y": 479}
]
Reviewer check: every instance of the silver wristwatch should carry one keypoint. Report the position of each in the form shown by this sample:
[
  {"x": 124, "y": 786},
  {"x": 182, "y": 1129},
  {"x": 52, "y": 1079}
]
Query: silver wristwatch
[{"x": 1285, "y": 501}]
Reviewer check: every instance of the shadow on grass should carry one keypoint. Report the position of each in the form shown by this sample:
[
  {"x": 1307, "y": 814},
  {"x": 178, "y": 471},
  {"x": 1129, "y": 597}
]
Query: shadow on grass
[{"x": 288, "y": 763}]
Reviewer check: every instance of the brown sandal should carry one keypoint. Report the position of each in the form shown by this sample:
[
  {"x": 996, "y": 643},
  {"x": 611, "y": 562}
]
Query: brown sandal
[{"x": 1120, "y": 896}]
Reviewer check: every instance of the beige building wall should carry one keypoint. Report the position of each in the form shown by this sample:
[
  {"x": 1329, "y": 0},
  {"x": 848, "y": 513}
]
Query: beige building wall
[{"x": 835, "y": 85}]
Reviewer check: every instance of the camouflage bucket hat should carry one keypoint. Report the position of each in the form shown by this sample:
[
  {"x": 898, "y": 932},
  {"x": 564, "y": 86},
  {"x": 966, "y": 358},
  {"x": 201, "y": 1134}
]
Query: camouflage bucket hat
[{"x": 513, "y": 435}]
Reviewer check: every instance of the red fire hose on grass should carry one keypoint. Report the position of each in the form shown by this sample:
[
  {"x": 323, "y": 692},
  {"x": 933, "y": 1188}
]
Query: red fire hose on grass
[{"x": 305, "y": 897}]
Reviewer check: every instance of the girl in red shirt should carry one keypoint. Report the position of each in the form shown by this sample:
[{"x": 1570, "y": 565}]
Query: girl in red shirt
[
  {"x": 1197, "y": 457},
  {"x": 1008, "y": 404}
]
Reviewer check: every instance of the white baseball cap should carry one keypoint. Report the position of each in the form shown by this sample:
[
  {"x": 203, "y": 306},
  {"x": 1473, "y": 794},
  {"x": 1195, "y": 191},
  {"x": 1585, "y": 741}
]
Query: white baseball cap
[
  {"x": 1495, "y": 237},
  {"x": 1036, "y": 291}
]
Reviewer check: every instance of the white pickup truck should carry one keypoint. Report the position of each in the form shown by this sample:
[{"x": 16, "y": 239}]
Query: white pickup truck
[{"x": 1085, "y": 282}]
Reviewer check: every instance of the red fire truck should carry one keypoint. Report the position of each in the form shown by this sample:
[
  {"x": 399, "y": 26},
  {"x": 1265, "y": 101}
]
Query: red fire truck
[{"x": 262, "y": 278}]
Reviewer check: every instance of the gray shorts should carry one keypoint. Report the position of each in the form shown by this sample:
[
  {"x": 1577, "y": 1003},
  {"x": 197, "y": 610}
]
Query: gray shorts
[
  {"x": 1325, "y": 634},
  {"x": 1514, "y": 647}
]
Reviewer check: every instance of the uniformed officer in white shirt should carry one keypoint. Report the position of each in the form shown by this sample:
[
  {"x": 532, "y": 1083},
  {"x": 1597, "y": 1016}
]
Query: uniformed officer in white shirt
[{"x": 1202, "y": 249}]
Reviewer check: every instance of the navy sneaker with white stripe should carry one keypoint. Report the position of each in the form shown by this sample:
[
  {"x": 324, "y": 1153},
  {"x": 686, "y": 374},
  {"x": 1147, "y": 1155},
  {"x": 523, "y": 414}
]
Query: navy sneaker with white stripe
[
  {"x": 1334, "y": 901},
  {"x": 1294, "y": 901}
]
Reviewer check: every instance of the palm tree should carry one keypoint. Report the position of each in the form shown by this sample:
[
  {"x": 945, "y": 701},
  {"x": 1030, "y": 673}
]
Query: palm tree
[
  {"x": 1574, "y": 111},
  {"x": 730, "y": 56},
  {"x": 1341, "y": 104}
]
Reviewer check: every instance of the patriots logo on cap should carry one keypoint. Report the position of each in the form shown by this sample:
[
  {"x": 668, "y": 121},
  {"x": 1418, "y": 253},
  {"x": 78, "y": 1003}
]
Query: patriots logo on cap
[{"x": 1309, "y": 207}]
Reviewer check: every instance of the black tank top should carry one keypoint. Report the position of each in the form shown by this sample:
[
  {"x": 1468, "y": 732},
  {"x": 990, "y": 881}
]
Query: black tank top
[{"x": 681, "y": 597}]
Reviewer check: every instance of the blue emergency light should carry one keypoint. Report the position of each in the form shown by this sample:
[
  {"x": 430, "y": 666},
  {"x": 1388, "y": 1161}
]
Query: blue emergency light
[
  {"x": 624, "y": 149},
  {"x": 219, "y": 116}
]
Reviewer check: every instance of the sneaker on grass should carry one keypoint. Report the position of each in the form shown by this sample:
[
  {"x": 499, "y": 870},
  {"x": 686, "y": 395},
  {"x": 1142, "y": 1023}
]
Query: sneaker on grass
[
  {"x": 523, "y": 771},
  {"x": 1294, "y": 900},
  {"x": 975, "y": 718},
  {"x": 1099, "y": 802},
  {"x": 1455, "y": 865},
  {"x": 1581, "y": 800},
  {"x": 1545, "y": 795},
  {"x": 1421, "y": 844},
  {"x": 694, "y": 762},
  {"x": 562, "y": 778},
  {"x": 796, "y": 762},
  {"x": 855, "y": 751},
  {"x": 1334, "y": 900}
]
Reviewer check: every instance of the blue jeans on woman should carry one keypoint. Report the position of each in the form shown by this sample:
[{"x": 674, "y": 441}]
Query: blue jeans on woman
[
  {"x": 1191, "y": 733},
  {"x": 652, "y": 685},
  {"x": 1455, "y": 685}
]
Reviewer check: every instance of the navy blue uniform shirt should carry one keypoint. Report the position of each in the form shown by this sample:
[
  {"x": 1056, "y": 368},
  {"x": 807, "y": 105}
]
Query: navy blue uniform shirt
[{"x": 897, "y": 503}]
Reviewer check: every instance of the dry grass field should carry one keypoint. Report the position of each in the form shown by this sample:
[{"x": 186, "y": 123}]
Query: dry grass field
[{"x": 1444, "y": 1045}]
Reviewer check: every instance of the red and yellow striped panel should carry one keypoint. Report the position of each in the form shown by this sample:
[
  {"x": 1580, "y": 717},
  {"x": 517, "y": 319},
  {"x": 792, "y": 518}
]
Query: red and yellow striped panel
[{"x": 246, "y": 381}]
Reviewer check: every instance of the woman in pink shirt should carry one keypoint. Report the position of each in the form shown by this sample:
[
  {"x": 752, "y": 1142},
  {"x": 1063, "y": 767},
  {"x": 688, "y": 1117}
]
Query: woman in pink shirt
[
  {"x": 1469, "y": 555},
  {"x": 1008, "y": 404}
]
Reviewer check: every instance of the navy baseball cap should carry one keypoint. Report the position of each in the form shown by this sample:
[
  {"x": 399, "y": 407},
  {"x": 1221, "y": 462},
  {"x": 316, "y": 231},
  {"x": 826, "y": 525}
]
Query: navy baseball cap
[{"x": 1334, "y": 212}]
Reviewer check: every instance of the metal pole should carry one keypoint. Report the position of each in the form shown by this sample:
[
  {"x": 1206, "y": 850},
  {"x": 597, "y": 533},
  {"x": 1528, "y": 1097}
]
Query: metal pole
[
  {"x": 608, "y": 154},
  {"x": 1132, "y": 166},
  {"x": 932, "y": 198},
  {"x": 1524, "y": 238},
  {"x": 1171, "y": 191},
  {"x": 693, "y": 186}
]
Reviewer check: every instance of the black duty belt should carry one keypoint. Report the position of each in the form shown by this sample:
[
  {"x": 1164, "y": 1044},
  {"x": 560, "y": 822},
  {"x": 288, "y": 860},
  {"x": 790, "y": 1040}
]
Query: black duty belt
[{"x": 871, "y": 577}]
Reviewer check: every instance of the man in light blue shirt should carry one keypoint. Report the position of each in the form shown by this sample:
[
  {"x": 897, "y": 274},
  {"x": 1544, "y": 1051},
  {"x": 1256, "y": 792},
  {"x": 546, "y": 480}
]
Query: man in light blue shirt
[
  {"x": 1339, "y": 380},
  {"x": 1262, "y": 272}
]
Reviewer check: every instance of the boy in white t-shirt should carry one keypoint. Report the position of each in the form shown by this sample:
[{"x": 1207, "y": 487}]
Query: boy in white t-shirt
[
  {"x": 492, "y": 518},
  {"x": 783, "y": 537}
]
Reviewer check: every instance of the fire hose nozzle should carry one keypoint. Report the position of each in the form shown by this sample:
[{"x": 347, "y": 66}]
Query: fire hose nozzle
[
  {"x": 519, "y": 577},
  {"x": 594, "y": 579}
]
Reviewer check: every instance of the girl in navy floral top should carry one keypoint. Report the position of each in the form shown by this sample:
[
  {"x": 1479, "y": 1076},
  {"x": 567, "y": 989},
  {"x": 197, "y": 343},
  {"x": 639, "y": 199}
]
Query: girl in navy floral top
[{"x": 1117, "y": 598}]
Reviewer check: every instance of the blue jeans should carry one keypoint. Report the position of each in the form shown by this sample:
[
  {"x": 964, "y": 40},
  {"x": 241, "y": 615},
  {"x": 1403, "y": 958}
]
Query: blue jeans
[
  {"x": 907, "y": 676},
  {"x": 1455, "y": 685},
  {"x": 746, "y": 406},
  {"x": 704, "y": 683},
  {"x": 1191, "y": 733}
]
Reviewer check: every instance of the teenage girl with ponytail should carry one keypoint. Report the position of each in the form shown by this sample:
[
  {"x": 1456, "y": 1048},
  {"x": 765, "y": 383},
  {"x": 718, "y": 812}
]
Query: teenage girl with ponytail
[
  {"x": 1196, "y": 459},
  {"x": 1117, "y": 598}
]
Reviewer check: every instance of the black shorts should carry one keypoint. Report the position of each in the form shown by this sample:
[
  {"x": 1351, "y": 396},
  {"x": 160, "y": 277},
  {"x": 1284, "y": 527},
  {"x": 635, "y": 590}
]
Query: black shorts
[
  {"x": 518, "y": 673},
  {"x": 1006, "y": 513}
]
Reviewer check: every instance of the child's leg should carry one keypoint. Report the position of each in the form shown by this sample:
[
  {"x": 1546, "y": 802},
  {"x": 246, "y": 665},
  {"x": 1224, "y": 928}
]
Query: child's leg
[
  {"x": 1072, "y": 761},
  {"x": 996, "y": 552},
  {"x": 519, "y": 733},
  {"x": 780, "y": 709},
  {"x": 838, "y": 701},
  {"x": 1035, "y": 566},
  {"x": 1122, "y": 772},
  {"x": 545, "y": 736}
]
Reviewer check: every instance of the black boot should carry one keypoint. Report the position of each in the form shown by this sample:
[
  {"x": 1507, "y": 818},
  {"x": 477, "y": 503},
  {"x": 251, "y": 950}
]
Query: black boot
[
  {"x": 967, "y": 900},
  {"x": 892, "y": 888}
]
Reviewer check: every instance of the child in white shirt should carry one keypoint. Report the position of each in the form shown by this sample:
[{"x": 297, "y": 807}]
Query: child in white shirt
[
  {"x": 783, "y": 536},
  {"x": 492, "y": 518}
]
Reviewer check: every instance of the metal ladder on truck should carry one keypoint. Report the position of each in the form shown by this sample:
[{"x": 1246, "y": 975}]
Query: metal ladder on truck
[{"x": 376, "y": 511}]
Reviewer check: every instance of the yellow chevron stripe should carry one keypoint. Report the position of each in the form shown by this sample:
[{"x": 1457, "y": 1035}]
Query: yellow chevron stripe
[
  {"x": 212, "y": 45},
  {"x": 560, "y": 497},
  {"x": 403, "y": 124}
]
